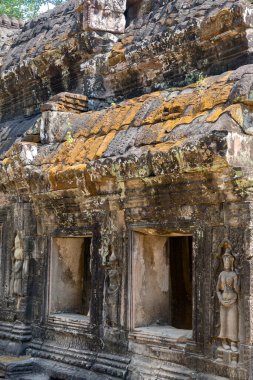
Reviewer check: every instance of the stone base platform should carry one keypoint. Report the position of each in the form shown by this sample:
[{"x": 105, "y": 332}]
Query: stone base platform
[
  {"x": 13, "y": 367},
  {"x": 50, "y": 370},
  {"x": 227, "y": 356},
  {"x": 26, "y": 368},
  {"x": 14, "y": 338},
  {"x": 114, "y": 366}
]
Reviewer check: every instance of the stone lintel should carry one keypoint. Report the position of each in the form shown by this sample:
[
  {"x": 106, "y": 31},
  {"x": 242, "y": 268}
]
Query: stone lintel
[{"x": 66, "y": 102}]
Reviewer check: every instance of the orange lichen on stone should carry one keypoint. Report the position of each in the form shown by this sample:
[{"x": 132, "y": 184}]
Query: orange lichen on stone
[
  {"x": 117, "y": 54},
  {"x": 166, "y": 146},
  {"x": 92, "y": 145},
  {"x": 61, "y": 180},
  {"x": 105, "y": 143},
  {"x": 215, "y": 114},
  {"x": 244, "y": 100},
  {"x": 137, "y": 126},
  {"x": 154, "y": 114},
  {"x": 112, "y": 120},
  {"x": 236, "y": 113},
  {"x": 80, "y": 150},
  {"x": 118, "y": 119},
  {"x": 127, "y": 40},
  {"x": 171, "y": 124},
  {"x": 65, "y": 177},
  {"x": 94, "y": 122},
  {"x": 6, "y": 161},
  {"x": 133, "y": 110},
  {"x": 192, "y": 103},
  {"x": 217, "y": 94},
  {"x": 72, "y": 153}
]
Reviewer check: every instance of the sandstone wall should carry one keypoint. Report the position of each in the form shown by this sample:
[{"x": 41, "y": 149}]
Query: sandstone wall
[{"x": 139, "y": 143}]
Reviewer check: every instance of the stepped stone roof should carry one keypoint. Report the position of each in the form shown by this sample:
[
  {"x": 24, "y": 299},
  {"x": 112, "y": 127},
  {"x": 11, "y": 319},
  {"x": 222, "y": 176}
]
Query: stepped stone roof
[
  {"x": 53, "y": 54},
  {"x": 9, "y": 29},
  {"x": 51, "y": 27},
  {"x": 164, "y": 44},
  {"x": 180, "y": 130},
  {"x": 10, "y": 22}
]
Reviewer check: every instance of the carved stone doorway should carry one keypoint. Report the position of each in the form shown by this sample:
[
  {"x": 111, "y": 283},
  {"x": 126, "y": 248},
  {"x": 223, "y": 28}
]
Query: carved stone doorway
[
  {"x": 70, "y": 276},
  {"x": 161, "y": 283}
]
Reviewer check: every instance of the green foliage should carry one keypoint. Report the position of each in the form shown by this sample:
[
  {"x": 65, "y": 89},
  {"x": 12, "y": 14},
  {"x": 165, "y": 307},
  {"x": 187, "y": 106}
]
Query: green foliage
[
  {"x": 194, "y": 77},
  {"x": 24, "y": 9},
  {"x": 11, "y": 8},
  {"x": 191, "y": 77},
  {"x": 69, "y": 137}
]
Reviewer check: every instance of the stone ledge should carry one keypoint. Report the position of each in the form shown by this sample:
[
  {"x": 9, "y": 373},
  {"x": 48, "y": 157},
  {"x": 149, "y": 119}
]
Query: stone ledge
[
  {"x": 14, "y": 367},
  {"x": 157, "y": 370},
  {"x": 161, "y": 334},
  {"x": 64, "y": 371},
  {"x": 40, "y": 369},
  {"x": 16, "y": 331},
  {"x": 14, "y": 337},
  {"x": 112, "y": 365}
]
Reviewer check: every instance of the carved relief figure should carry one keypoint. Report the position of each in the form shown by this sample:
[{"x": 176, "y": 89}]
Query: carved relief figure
[
  {"x": 19, "y": 269},
  {"x": 105, "y": 15},
  {"x": 112, "y": 292},
  {"x": 227, "y": 291}
]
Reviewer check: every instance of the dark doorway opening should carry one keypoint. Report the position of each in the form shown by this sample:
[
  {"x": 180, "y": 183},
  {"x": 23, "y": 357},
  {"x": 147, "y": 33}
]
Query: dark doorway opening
[
  {"x": 180, "y": 253},
  {"x": 86, "y": 276}
]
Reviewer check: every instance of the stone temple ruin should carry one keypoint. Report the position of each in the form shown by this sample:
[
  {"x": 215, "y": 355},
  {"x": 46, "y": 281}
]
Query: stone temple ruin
[{"x": 126, "y": 147}]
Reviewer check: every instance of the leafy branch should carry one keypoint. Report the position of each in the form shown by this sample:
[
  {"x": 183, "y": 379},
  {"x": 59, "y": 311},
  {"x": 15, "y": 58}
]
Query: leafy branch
[{"x": 24, "y": 9}]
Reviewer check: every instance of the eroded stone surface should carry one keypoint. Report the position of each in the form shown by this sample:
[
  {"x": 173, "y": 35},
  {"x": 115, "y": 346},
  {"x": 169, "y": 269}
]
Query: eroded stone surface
[
  {"x": 163, "y": 45},
  {"x": 128, "y": 140}
]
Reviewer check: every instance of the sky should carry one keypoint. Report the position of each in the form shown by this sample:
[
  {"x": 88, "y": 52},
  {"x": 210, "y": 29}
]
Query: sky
[{"x": 44, "y": 8}]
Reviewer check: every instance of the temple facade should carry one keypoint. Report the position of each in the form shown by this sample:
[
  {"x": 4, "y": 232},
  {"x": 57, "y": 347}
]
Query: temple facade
[{"x": 126, "y": 191}]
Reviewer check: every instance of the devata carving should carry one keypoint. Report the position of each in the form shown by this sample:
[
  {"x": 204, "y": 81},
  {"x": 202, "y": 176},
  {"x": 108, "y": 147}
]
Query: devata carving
[
  {"x": 227, "y": 292},
  {"x": 105, "y": 15},
  {"x": 112, "y": 292},
  {"x": 19, "y": 270}
]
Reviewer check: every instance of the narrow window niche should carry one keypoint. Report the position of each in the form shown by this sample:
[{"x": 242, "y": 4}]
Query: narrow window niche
[
  {"x": 162, "y": 285},
  {"x": 132, "y": 10},
  {"x": 70, "y": 277}
]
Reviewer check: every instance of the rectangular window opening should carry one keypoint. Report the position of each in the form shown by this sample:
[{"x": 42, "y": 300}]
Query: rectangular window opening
[
  {"x": 162, "y": 283},
  {"x": 70, "y": 276}
]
